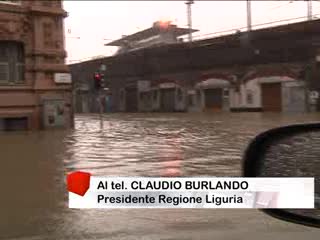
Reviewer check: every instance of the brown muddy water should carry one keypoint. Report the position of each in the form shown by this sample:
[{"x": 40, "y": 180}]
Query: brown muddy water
[{"x": 34, "y": 165}]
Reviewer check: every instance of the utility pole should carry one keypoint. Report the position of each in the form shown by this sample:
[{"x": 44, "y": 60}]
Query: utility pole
[
  {"x": 189, "y": 17},
  {"x": 249, "y": 15},
  {"x": 189, "y": 3},
  {"x": 309, "y": 3}
]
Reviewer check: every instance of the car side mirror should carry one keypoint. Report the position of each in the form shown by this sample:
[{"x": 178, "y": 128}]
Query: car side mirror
[{"x": 291, "y": 151}]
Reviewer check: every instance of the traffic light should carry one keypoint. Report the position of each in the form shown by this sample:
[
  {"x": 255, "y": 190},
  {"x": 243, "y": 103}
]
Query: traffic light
[
  {"x": 102, "y": 81},
  {"x": 97, "y": 80}
]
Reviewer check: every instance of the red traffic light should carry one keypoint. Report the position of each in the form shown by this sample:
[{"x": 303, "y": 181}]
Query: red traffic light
[
  {"x": 97, "y": 81},
  {"x": 97, "y": 76}
]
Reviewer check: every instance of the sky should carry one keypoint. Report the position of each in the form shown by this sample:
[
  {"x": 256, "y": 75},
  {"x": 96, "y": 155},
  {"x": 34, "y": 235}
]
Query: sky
[{"x": 91, "y": 24}]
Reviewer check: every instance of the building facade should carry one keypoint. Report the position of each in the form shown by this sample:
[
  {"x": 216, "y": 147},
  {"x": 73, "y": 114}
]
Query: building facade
[
  {"x": 266, "y": 72},
  {"x": 35, "y": 84},
  {"x": 281, "y": 88}
]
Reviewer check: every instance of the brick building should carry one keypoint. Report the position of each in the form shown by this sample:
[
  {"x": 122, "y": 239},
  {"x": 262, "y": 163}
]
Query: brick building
[{"x": 35, "y": 86}]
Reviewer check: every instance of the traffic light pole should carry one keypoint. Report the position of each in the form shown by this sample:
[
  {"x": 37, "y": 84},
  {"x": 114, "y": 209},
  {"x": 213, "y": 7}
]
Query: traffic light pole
[
  {"x": 100, "y": 108},
  {"x": 99, "y": 86}
]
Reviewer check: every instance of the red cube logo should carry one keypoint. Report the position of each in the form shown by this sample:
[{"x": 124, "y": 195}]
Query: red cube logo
[{"x": 78, "y": 182}]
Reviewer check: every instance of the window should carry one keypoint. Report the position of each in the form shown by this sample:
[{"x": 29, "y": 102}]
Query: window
[
  {"x": 11, "y": 62},
  {"x": 4, "y": 72},
  {"x": 19, "y": 73},
  {"x": 225, "y": 93},
  {"x": 13, "y": 124}
]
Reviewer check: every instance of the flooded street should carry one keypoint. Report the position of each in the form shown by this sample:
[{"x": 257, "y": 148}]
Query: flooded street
[{"x": 34, "y": 166}]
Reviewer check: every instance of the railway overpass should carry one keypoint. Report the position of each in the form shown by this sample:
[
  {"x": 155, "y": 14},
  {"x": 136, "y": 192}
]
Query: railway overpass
[{"x": 288, "y": 52}]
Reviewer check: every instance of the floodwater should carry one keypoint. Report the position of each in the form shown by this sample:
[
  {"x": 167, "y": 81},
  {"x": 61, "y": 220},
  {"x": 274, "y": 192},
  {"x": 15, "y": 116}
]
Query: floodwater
[{"x": 34, "y": 165}]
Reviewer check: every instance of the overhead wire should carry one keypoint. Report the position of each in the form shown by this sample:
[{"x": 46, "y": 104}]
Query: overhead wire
[
  {"x": 207, "y": 35},
  {"x": 280, "y": 6},
  {"x": 197, "y": 37},
  {"x": 256, "y": 25}
]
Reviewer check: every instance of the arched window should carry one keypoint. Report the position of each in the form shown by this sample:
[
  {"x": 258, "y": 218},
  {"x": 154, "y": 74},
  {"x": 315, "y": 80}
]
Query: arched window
[{"x": 11, "y": 62}]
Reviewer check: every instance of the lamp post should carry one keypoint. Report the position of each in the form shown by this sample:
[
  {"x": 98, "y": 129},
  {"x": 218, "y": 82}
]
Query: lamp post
[
  {"x": 309, "y": 14},
  {"x": 189, "y": 15},
  {"x": 249, "y": 15}
]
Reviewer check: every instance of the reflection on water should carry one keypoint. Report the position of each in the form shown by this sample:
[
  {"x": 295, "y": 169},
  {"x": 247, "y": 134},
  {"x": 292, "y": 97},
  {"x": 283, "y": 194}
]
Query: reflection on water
[{"x": 34, "y": 165}]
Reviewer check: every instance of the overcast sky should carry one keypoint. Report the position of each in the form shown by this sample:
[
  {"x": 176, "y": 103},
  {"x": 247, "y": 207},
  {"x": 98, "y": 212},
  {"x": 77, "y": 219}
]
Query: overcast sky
[{"x": 94, "y": 21}]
